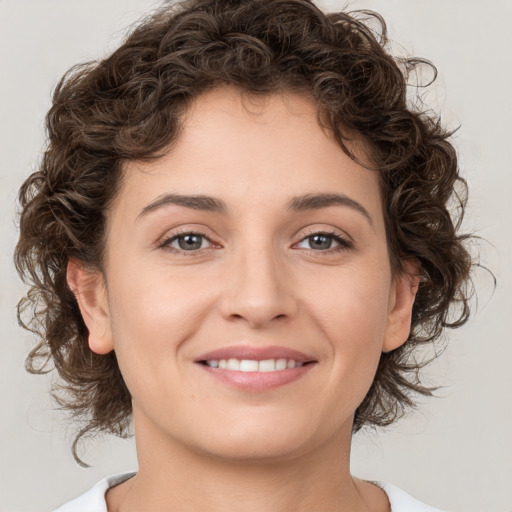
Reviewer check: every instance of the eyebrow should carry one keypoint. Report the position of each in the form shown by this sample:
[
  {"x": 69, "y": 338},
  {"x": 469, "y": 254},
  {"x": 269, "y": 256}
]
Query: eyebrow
[
  {"x": 297, "y": 204},
  {"x": 317, "y": 201},
  {"x": 205, "y": 203}
]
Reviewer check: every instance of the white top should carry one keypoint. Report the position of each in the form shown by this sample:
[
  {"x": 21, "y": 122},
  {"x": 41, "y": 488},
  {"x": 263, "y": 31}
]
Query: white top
[{"x": 94, "y": 499}]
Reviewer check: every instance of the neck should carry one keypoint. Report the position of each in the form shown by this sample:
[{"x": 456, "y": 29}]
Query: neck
[{"x": 173, "y": 477}]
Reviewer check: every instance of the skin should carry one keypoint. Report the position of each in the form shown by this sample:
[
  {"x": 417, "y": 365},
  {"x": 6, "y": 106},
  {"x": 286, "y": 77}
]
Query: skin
[{"x": 259, "y": 280}]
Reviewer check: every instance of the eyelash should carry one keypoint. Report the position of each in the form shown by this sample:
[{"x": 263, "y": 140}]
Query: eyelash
[
  {"x": 344, "y": 243},
  {"x": 176, "y": 236}
]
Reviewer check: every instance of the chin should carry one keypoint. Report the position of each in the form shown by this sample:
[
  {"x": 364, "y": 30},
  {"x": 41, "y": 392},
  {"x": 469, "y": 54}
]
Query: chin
[
  {"x": 258, "y": 442},
  {"x": 256, "y": 452}
]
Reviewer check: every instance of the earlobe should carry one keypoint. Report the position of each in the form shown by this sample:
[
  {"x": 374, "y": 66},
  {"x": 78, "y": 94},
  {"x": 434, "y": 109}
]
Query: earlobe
[
  {"x": 402, "y": 298},
  {"x": 88, "y": 286}
]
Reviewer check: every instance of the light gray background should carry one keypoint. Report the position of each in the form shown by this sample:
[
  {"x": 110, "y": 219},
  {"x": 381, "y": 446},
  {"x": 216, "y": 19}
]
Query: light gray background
[{"x": 456, "y": 452}]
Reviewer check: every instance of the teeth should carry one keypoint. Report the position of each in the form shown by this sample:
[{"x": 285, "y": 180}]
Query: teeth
[
  {"x": 281, "y": 364},
  {"x": 251, "y": 365},
  {"x": 248, "y": 365},
  {"x": 268, "y": 365},
  {"x": 233, "y": 364}
]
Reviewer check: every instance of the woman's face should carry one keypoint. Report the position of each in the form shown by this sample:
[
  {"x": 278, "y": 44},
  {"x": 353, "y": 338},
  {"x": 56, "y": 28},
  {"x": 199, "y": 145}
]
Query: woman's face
[{"x": 256, "y": 238}]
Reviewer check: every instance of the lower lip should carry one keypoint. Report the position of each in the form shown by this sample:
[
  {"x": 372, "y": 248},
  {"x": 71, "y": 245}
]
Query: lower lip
[{"x": 258, "y": 381}]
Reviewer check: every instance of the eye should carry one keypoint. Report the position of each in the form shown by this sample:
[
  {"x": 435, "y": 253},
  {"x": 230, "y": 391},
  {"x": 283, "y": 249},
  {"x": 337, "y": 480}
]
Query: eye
[
  {"x": 188, "y": 242},
  {"x": 324, "y": 242}
]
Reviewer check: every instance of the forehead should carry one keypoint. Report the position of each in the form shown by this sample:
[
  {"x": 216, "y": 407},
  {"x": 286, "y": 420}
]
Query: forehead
[
  {"x": 278, "y": 114},
  {"x": 251, "y": 149},
  {"x": 266, "y": 109}
]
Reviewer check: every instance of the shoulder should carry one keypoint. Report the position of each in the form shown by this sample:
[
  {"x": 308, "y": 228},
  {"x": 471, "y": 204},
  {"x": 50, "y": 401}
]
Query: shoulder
[
  {"x": 400, "y": 501},
  {"x": 94, "y": 499}
]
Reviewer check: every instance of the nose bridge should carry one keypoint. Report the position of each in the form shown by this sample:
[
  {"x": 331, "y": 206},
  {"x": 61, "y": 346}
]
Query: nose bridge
[{"x": 258, "y": 288}]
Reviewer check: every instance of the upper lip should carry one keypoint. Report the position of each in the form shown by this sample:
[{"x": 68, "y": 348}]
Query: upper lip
[{"x": 255, "y": 353}]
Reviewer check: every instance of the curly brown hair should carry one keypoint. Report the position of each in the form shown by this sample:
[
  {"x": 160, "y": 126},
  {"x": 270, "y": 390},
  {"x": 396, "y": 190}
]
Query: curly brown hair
[{"x": 130, "y": 106}]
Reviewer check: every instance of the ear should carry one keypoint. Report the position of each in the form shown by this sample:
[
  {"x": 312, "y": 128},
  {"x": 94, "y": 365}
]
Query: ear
[
  {"x": 403, "y": 292},
  {"x": 89, "y": 289}
]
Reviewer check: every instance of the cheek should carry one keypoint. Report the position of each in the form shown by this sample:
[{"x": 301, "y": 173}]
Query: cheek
[
  {"x": 152, "y": 315},
  {"x": 352, "y": 312},
  {"x": 353, "y": 305}
]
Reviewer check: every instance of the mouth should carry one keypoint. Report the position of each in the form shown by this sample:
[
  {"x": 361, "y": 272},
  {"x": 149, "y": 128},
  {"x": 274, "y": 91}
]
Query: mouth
[
  {"x": 254, "y": 365},
  {"x": 256, "y": 368}
]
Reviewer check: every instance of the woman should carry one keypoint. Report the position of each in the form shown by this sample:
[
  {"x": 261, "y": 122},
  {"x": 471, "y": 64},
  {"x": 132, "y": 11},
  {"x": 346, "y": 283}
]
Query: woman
[{"x": 239, "y": 237}]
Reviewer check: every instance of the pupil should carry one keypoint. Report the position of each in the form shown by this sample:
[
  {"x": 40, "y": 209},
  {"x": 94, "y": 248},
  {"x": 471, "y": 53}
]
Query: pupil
[
  {"x": 188, "y": 242},
  {"x": 320, "y": 241}
]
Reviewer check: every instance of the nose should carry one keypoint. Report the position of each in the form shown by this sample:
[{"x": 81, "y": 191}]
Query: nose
[{"x": 258, "y": 289}]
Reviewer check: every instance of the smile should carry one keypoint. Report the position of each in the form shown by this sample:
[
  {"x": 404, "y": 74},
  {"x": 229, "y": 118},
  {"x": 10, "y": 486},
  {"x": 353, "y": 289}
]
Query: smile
[
  {"x": 253, "y": 365},
  {"x": 254, "y": 368}
]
